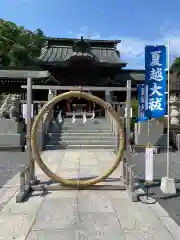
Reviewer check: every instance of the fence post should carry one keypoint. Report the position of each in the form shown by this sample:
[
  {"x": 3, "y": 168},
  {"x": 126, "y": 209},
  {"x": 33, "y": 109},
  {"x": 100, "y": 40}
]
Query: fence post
[
  {"x": 22, "y": 179},
  {"x": 128, "y": 113}
]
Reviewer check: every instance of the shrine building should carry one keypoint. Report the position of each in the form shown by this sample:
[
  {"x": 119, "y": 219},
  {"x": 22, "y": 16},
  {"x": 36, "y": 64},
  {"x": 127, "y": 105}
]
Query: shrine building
[{"x": 78, "y": 62}]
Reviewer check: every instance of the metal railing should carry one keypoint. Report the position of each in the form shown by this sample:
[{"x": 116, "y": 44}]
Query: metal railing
[
  {"x": 128, "y": 174},
  {"x": 129, "y": 177},
  {"x": 111, "y": 121},
  {"x": 113, "y": 127}
]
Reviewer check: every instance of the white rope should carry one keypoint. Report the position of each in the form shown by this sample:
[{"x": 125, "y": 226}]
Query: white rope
[
  {"x": 84, "y": 117},
  {"x": 93, "y": 115},
  {"x": 74, "y": 117},
  {"x": 60, "y": 117}
]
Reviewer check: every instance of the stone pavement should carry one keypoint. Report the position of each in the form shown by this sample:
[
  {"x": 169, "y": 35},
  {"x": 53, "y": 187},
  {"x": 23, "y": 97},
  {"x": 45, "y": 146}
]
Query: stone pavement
[
  {"x": 81, "y": 215},
  {"x": 170, "y": 202}
]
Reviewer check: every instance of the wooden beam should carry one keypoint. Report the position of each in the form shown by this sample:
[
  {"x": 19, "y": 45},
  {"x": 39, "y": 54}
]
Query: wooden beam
[
  {"x": 36, "y": 101},
  {"x": 24, "y": 74},
  {"x": 76, "y": 88}
]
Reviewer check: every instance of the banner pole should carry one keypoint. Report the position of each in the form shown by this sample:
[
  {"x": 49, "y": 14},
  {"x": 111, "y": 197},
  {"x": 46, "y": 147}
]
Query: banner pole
[
  {"x": 168, "y": 185},
  {"x": 149, "y": 144},
  {"x": 168, "y": 109}
]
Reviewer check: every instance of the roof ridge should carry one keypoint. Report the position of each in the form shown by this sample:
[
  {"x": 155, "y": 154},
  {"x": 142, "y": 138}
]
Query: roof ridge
[
  {"x": 94, "y": 47},
  {"x": 86, "y": 39}
]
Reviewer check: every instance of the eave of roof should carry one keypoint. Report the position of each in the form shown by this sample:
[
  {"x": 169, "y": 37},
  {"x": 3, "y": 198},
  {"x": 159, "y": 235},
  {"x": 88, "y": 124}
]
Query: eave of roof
[
  {"x": 62, "y": 55},
  {"x": 23, "y": 74},
  {"x": 72, "y": 40},
  {"x": 28, "y": 68}
]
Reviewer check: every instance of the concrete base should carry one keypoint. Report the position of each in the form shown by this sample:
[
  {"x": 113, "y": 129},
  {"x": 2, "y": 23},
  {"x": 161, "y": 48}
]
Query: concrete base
[
  {"x": 133, "y": 195},
  {"x": 9, "y": 126},
  {"x": 11, "y": 141},
  {"x": 178, "y": 141},
  {"x": 168, "y": 185},
  {"x": 156, "y": 149},
  {"x": 21, "y": 196},
  {"x": 58, "y": 187}
]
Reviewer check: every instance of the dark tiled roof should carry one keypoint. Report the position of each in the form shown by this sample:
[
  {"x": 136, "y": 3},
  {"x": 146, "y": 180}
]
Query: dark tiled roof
[
  {"x": 58, "y": 54},
  {"x": 60, "y": 51}
]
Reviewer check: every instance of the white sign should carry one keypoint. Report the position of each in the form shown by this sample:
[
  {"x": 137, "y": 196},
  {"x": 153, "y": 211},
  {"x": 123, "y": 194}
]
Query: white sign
[
  {"x": 24, "y": 110},
  {"x": 125, "y": 113},
  {"x": 149, "y": 158}
]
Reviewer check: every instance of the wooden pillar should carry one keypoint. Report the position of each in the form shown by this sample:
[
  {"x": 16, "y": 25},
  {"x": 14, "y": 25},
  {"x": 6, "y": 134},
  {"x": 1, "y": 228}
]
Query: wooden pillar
[
  {"x": 67, "y": 106},
  {"x": 128, "y": 112},
  {"x": 118, "y": 109}
]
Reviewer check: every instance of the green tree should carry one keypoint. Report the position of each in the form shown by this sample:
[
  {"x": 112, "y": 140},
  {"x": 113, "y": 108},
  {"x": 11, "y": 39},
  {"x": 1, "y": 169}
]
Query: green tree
[
  {"x": 18, "y": 46},
  {"x": 175, "y": 67}
]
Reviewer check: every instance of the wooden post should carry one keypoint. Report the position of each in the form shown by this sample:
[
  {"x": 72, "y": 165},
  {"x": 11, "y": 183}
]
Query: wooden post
[
  {"x": 28, "y": 132},
  {"x": 128, "y": 117}
]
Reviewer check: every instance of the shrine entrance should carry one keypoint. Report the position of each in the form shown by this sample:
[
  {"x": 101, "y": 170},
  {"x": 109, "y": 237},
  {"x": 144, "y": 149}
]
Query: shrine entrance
[
  {"x": 112, "y": 117},
  {"x": 79, "y": 105},
  {"x": 78, "y": 183},
  {"x": 91, "y": 109}
]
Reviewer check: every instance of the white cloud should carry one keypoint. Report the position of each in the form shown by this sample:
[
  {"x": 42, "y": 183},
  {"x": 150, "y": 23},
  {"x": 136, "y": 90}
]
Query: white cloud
[
  {"x": 83, "y": 31},
  {"x": 88, "y": 36},
  {"x": 69, "y": 32},
  {"x": 132, "y": 49}
]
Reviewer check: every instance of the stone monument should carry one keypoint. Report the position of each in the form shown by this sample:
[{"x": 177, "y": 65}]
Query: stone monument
[
  {"x": 14, "y": 109},
  {"x": 11, "y": 130},
  {"x": 156, "y": 133},
  {"x": 4, "y": 107}
]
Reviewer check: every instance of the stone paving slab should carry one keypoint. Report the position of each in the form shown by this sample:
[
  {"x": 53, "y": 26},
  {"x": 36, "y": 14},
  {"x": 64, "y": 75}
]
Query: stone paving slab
[
  {"x": 84, "y": 214},
  {"x": 6, "y": 194},
  {"x": 15, "y": 226},
  {"x": 57, "y": 214},
  {"x": 94, "y": 202},
  {"x": 52, "y": 235},
  {"x": 8, "y": 190}
]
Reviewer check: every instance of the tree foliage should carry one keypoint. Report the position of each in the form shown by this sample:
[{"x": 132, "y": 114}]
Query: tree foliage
[
  {"x": 175, "y": 67},
  {"x": 18, "y": 46}
]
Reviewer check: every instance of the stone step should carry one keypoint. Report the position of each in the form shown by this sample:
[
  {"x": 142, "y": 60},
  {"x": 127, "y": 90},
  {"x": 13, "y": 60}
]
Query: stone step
[
  {"x": 80, "y": 134},
  {"x": 88, "y": 123},
  {"x": 81, "y": 137},
  {"x": 83, "y": 146},
  {"x": 70, "y": 126},
  {"x": 80, "y": 124},
  {"x": 85, "y": 131},
  {"x": 85, "y": 128},
  {"x": 82, "y": 142},
  {"x": 96, "y": 119},
  {"x": 79, "y": 114}
]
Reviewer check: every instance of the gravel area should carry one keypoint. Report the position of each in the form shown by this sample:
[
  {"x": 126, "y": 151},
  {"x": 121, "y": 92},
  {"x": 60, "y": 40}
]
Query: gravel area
[{"x": 10, "y": 163}]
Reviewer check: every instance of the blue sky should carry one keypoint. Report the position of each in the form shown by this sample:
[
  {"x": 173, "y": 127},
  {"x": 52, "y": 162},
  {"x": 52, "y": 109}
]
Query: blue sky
[{"x": 135, "y": 22}]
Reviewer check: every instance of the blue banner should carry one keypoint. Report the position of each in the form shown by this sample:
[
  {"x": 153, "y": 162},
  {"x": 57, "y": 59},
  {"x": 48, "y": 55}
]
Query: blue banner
[
  {"x": 155, "y": 80},
  {"x": 141, "y": 103}
]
